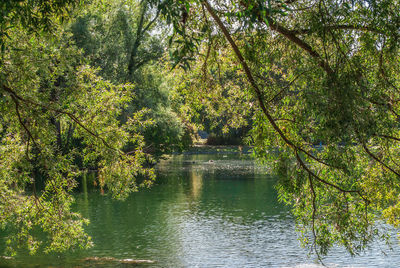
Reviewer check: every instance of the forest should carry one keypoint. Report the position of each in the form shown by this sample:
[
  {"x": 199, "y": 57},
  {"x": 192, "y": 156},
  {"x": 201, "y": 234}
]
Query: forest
[{"x": 112, "y": 86}]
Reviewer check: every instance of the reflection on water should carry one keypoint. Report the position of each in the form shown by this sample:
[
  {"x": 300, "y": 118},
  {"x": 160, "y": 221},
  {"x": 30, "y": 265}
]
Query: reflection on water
[{"x": 204, "y": 211}]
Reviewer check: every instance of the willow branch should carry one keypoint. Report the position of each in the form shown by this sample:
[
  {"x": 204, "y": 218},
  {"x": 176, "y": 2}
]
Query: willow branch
[
  {"x": 290, "y": 35},
  {"x": 339, "y": 27},
  {"x": 389, "y": 137},
  {"x": 314, "y": 210},
  {"x": 247, "y": 71},
  {"x": 204, "y": 67},
  {"x": 15, "y": 96},
  {"x": 300, "y": 43},
  {"x": 28, "y": 132},
  {"x": 252, "y": 82},
  {"x": 38, "y": 204},
  {"x": 287, "y": 86},
  {"x": 373, "y": 156},
  {"x": 309, "y": 171}
]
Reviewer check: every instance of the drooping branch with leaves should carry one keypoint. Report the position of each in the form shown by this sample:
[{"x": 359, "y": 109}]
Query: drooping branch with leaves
[
  {"x": 60, "y": 119},
  {"x": 325, "y": 76}
]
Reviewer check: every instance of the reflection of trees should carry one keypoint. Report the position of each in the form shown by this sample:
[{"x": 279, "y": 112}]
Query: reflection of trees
[
  {"x": 143, "y": 226},
  {"x": 231, "y": 189},
  {"x": 158, "y": 222},
  {"x": 249, "y": 198},
  {"x": 196, "y": 181}
]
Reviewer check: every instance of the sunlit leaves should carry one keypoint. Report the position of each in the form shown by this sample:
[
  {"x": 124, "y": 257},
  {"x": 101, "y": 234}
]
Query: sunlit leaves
[{"x": 60, "y": 119}]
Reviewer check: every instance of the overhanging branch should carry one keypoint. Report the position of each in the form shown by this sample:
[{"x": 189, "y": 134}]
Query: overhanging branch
[{"x": 253, "y": 83}]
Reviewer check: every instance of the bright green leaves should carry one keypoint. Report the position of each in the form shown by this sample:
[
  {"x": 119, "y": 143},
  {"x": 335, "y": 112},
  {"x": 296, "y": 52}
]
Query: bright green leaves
[
  {"x": 32, "y": 15},
  {"x": 60, "y": 119}
]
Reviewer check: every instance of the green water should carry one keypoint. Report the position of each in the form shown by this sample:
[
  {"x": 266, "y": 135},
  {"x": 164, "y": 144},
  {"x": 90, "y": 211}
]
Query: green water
[{"x": 204, "y": 211}]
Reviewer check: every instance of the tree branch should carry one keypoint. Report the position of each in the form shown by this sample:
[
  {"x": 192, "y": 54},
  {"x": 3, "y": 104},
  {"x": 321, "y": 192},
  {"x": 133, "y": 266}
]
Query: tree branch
[
  {"x": 309, "y": 171},
  {"x": 339, "y": 27},
  {"x": 247, "y": 71},
  {"x": 152, "y": 21},
  {"x": 389, "y": 137},
  {"x": 28, "y": 132},
  {"x": 252, "y": 82},
  {"x": 15, "y": 96},
  {"x": 300, "y": 43},
  {"x": 290, "y": 35},
  {"x": 314, "y": 211},
  {"x": 378, "y": 160}
]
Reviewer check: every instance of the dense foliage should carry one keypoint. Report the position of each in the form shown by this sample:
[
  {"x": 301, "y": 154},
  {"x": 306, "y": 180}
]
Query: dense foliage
[
  {"x": 323, "y": 73},
  {"x": 58, "y": 120}
]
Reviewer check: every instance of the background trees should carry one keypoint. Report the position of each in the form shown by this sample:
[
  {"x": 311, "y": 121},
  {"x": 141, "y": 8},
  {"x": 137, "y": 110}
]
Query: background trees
[
  {"x": 126, "y": 40},
  {"x": 215, "y": 94}
]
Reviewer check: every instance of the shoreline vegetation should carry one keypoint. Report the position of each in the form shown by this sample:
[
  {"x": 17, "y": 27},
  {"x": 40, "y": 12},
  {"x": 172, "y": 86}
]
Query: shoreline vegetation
[{"x": 216, "y": 149}]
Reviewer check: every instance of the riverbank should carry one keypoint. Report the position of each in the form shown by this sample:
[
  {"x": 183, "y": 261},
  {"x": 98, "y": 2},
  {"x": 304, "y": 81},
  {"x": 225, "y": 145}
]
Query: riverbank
[{"x": 216, "y": 149}]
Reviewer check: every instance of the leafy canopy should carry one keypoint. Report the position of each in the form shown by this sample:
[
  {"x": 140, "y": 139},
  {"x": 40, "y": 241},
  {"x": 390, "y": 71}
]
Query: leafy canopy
[{"x": 325, "y": 77}]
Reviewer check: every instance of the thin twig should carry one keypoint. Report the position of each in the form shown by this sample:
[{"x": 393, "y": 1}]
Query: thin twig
[
  {"x": 28, "y": 132},
  {"x": 314, "y": 207},
  {"x": 378, "y": 160}
]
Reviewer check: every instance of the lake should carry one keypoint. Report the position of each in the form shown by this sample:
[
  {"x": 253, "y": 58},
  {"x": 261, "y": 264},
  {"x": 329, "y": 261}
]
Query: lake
[{"x": 205, "y": 210}]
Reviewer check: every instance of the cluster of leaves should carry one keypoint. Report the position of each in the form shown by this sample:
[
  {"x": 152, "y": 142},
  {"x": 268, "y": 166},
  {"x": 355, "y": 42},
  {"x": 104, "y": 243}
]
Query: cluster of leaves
[
  {"x": 34, "y": 15},
  {"x": 59, "y": 119}
]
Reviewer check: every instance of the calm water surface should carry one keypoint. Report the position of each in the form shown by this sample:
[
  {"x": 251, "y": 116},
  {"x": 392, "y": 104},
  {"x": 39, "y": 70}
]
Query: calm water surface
[{"x": 204, "y": 211}]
